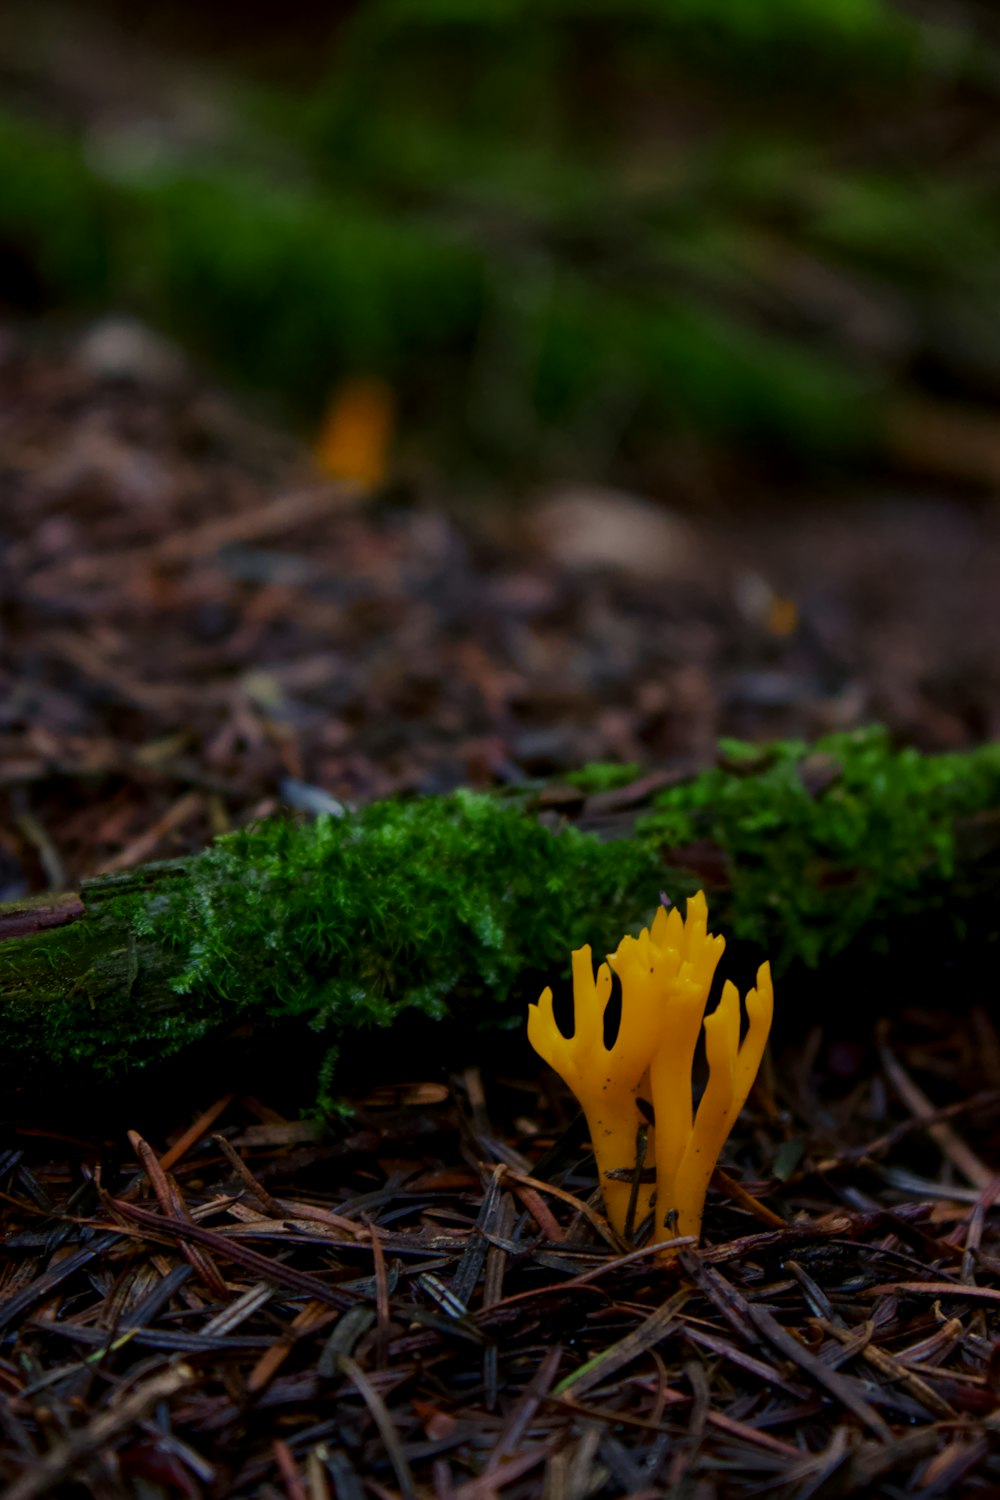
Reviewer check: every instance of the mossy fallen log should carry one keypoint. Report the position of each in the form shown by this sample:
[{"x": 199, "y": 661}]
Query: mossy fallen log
[
  {"x": 460, "y": 907},
  {"x": 436, "y": 906}
]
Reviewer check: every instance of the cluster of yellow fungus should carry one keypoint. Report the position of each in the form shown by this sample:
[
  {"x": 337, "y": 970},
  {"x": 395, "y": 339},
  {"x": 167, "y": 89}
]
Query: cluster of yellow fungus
[{"x": 665, "y": 976}]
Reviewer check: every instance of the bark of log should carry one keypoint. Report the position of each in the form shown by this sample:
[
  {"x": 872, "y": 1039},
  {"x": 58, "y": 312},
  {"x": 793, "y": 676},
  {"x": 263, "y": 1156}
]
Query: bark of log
[{"x": 76, "y": 949}]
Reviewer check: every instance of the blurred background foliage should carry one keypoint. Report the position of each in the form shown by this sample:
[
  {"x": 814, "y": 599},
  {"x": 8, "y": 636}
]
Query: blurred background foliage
[{"x": 630, "y": 240}]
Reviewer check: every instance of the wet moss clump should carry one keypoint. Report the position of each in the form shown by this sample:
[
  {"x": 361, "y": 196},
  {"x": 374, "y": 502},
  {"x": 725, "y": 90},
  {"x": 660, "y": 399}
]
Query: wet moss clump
[
  {"x": 822, "y": 842},
  {"x": 452, "y": 907}
]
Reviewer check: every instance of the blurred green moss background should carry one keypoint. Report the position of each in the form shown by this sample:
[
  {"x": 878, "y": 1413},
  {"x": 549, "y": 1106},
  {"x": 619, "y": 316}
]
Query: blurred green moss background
[{"x": 604, "y": 238}]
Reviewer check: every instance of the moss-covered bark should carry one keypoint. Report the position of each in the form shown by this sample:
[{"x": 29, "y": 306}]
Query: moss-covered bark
[
  {"x": 442, "y": 906},
  {"x": 461, "y": 907},
  {"x": 95, "y": 978}
]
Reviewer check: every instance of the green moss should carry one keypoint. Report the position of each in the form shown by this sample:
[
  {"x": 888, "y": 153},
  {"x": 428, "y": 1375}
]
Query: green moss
[
  {"x": 289, "y": 287},
  {"x": 603, "y": 776},
  {"x": 460, "y": 908},
  {"x": 564, "y": 231},
  {"x": 453, "y": 907},
  {"x": 457, "y": 907},
  {"x": 53, "y": 211},
  {"x": 824, "y": 840}
]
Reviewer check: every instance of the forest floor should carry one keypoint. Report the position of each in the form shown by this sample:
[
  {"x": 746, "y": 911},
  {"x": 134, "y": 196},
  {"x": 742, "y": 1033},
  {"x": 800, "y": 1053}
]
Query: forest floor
[
  {"x": 203, "y": 1296},
  {"x": 197, "y": 627}
]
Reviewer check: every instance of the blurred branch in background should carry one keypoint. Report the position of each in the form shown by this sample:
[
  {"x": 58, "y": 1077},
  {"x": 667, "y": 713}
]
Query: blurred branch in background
[{"x": 575, "y": 237}]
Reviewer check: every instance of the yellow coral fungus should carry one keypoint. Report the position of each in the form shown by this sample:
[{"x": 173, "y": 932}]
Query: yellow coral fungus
[
  {"x": 605, "y": 1081},
  {"x": 666, "y": 974}
]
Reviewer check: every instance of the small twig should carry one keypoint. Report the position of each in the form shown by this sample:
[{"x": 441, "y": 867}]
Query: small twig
[
  {"x": 961, "y": 1156},
  {"x": 194, "y": 1133},
  {"x": 493, "y": 1274},
  {"x": 182, "y": 811},
  {"x": 612, "y": 1359},
  {"x": 383, "y": 1311},
  {"x": 540, "y": 1212},
  {"x": 270, "y": 1206},
  {"x": 383, "y": 1421},
  {"x": 880, "y": 1360},
  {"x": 850, "y": 1156},
  {"x": 307, "y": 1320},
  {"x": 271, "y": 1270},
  {"x": 513, "y": 1430},
  {"x": 746, "y": 1316},
  {"x": 288, "y": 1470},
  {"x": 173, "y": 1205},
  {"x": 739, "y": 1194},
  {"x": 594, "y": 1219},
  {"x": 38, "y": 835},
  {"x": 64, "y": 1460}
]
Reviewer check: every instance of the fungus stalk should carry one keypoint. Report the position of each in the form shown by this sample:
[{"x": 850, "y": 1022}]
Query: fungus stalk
[
  {"x": 605, "y": 1081},
  {"x": 665, "y": 975}
]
